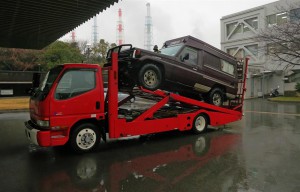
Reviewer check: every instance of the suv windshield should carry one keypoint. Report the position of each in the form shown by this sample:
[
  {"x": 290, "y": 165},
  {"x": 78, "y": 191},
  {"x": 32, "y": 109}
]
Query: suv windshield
[
  {"x": 171, "y": 50},
  {"x": 45, "y": 86}
]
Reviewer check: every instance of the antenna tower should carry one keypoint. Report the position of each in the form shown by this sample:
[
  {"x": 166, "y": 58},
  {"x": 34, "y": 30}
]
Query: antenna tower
[
  {"x": 148, "y": 41},
  {"x": 95, "y": 32},
  {"x": 120, "y": 29}
]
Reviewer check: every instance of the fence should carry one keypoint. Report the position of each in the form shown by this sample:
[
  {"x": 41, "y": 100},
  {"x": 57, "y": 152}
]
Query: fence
[{"x": 15, "y": 83}]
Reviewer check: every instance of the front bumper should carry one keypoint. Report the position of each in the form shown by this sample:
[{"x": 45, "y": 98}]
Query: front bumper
[{"x": 38, "y": 137}]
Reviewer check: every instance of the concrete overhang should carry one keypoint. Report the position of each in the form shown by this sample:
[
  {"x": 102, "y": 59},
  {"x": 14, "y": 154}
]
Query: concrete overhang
[{"x": 33, "y": 24}]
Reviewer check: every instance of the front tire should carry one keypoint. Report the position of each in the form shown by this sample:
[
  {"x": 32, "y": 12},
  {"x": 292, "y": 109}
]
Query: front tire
[
  {"x": 84, "y": 138},
  {"x": 150, "y": 77}
]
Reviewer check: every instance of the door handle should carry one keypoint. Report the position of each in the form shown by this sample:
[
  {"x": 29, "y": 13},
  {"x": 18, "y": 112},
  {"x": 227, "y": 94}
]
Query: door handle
[
  {"x": 97, "y": 105},
  {"x": 195, "y": 69}
]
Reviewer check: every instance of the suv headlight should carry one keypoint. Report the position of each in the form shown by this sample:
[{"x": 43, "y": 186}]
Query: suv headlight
[{"x": 42, "y": 123}]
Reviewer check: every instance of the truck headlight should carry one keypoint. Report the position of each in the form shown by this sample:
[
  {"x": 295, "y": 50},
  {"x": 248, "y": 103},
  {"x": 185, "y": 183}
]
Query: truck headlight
[{"x": 42, "y": 123}]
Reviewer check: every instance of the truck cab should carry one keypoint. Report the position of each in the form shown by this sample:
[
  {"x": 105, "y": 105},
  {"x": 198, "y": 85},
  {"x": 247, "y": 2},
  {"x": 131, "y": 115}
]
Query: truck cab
[{"x": 70, "y": 94}]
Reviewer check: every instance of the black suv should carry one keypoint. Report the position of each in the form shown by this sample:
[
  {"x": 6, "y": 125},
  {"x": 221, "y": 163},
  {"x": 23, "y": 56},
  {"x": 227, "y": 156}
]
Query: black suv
[{"x": 185, "y": 65}]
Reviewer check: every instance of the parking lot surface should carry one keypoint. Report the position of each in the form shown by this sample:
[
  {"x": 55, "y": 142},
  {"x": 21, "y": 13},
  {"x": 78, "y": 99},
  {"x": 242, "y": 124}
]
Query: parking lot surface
[{"x": 259, "y": 153}]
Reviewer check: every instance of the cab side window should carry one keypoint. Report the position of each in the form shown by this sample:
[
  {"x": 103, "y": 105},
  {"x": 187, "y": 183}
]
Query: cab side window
[
  {"x": 75, "y": 82},
  {"x": 189, "y": 56}
]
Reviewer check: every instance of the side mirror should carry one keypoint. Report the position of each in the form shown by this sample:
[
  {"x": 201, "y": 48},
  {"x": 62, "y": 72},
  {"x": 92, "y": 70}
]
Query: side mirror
[
  {"x": 185, "y": 57},
  {"x": 31, "y": 91},
  {"x": 155, "y": 48}
]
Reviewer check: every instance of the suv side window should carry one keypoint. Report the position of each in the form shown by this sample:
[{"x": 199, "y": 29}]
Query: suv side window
[
  {"x": 212, "y": 61},
  {"x": 75, "y": 82},
  {"x": 217, "y": 63},
  {"x": 192, "y": 55}
]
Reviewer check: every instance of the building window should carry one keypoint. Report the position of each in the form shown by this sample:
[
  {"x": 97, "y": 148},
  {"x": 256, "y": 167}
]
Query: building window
[
  {"x": 295, "y": 46},
  {"x": 276, "y": 48},
  {"x": 230, "y": 27},
  {"x": 253, "y": 22},
  {"x": 240, "y": 54},
  {"x": 295, "y": 15},
  {"x": 236, "y": 27},
  {"x": 236, "y": 52},
  {"x": 231, "y": 51},
  {"x": 253, "y": 49},
  {"x": 277, "y": 19}
]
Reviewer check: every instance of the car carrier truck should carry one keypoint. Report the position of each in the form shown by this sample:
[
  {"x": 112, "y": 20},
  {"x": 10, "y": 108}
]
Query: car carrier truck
[{"x": 71, "y": 107}]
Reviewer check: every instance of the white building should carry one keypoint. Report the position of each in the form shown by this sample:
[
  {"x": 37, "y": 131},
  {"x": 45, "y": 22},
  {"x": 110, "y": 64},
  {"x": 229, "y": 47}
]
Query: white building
[{"x": 238, "y": 38}]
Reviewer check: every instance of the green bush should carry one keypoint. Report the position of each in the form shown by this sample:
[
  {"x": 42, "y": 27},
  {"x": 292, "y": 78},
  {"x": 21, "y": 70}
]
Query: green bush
[{"x": 297, "y": 87}]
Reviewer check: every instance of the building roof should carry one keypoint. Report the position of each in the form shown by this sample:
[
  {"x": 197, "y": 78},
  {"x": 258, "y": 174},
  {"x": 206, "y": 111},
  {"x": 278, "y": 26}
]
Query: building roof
[{"x": 34, "y": 24}]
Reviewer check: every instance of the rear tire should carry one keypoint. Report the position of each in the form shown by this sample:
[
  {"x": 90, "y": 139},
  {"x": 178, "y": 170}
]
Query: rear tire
[
  {"x": 84, "y": 138},
  {"x": 200, "y": 123},
  {"x": 150, "y": 77},
  {"x": 216, "y": 97}
]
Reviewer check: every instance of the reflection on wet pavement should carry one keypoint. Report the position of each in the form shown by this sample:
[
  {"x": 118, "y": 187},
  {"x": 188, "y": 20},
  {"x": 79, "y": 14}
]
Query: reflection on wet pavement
[
  {"x": 163, "y": 162},
  {"x": 259, "y": 153}
]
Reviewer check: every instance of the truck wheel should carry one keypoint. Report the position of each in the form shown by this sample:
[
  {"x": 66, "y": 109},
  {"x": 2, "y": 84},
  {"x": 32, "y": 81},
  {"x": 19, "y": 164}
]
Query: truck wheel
[
  {"x": 84, "y": 138},
  {"x": 216, "y": 97},
  {"x": 150, "y": 77},
  {"x": 200, "y": 123}
]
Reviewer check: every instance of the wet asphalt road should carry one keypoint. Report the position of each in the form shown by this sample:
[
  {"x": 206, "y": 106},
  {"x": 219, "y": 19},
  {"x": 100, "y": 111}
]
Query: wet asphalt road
[{"x": 259, "y": 153}]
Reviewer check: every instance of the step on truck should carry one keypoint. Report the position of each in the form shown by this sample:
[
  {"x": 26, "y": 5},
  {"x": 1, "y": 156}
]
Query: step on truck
[{"x": 72, "y": 107}]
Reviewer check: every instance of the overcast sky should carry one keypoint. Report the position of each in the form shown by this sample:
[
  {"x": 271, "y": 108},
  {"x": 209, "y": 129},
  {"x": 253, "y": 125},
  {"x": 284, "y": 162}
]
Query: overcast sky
[{"x": 170, "y": 18}]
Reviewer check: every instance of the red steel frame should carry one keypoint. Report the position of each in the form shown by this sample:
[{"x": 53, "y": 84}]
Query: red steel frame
[{"x": 145, "y": 124}]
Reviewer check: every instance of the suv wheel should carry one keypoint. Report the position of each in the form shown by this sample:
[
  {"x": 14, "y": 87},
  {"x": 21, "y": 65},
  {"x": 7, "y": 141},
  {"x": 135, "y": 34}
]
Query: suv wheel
[
  {"x": 150, "y": 77},
  {"x": 216, "y": 97}
]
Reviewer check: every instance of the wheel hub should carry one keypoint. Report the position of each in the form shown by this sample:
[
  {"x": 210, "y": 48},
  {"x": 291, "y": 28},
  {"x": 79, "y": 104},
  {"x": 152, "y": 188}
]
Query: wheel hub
[
  {"x": 217, "y": 99},
  {"x": 86, "y": 138},
  {"x": 200, "y": 123},
  {"x": 150, "y": 78}
]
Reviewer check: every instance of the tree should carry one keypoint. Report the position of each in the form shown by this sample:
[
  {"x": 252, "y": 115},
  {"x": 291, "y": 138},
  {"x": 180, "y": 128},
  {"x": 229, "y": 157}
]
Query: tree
[
  {"x": 101, "y": 49},
  {"x": 282, "y": 37},
  {"x": 61, "y": 52},
  {"x": 19, "y": 59},
  {"x": 112, "y": 45}
]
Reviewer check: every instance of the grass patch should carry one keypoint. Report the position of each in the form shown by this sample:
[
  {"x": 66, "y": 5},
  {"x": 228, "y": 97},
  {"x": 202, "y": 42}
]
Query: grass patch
[
  {"x": 286, "y": 99},
  {"x": 14, "y": 103}
]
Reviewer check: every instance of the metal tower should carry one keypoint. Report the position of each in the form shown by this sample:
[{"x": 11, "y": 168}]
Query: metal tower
[
  {"x": 120, "y": 29},
  {"x": 73, "y": 36},
  {"x": 95, "y": 32},
  {"x": 148, "y": 38}
]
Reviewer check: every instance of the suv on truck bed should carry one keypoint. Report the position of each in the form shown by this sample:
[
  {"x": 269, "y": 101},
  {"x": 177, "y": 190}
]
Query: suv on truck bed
[{"x": 184, "y": 65}]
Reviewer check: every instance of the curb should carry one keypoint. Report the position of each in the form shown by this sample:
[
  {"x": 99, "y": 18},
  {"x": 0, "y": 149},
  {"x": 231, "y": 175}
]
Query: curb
[
  {"x": 14, "y": 111},
  {"x": 280, "y": 101}
]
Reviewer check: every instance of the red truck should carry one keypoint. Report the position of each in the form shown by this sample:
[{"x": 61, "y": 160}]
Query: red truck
[{"x": 70, "y": 107}]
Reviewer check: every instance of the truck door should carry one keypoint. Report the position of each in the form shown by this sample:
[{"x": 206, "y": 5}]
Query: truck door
[
  {"x": 186, "y": 69},
  {"x": 76, "y": 94}
]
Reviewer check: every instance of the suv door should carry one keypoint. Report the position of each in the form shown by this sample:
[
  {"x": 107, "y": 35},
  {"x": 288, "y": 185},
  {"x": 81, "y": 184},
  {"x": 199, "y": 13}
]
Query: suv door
[{"x": 186, "y": 69}]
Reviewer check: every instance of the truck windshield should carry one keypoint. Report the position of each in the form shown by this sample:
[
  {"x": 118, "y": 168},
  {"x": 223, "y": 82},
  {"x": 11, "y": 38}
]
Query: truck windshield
[
  {"x": 45, "y": 86},
  {"x": 171, "y": 50}
]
